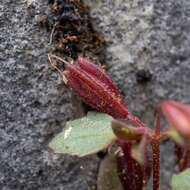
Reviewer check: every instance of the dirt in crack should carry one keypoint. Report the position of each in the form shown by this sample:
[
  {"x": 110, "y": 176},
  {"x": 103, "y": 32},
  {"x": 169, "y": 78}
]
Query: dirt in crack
[
  {"x": 72, "y": 30},
  {"x": 72, "y": 34}
]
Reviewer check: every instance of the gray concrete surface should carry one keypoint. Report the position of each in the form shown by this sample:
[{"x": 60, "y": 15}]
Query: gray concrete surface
[
  {"x": 34, "y": 106},
  {"x": 151, "y": 35}
]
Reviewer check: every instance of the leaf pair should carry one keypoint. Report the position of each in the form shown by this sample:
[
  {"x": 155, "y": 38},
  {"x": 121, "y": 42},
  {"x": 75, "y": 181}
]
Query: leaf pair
[{"x": 93, "y": 133}]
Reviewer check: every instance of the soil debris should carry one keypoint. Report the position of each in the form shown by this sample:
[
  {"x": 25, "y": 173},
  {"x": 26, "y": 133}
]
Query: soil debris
[{"x": 72, "y": 30}]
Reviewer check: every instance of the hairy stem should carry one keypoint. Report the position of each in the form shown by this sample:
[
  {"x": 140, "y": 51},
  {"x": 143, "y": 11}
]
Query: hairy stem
[
  {"x": 156, "y": 164},
  {"x": 129, "y": 170},
  {"x": 156, "y": 153}
]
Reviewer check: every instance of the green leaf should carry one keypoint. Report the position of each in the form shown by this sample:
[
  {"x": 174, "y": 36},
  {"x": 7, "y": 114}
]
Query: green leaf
[
  {"x": 84, "y": 136},
  {"x": 181, "y": 181},
  {"x": 108, "y": 178}
]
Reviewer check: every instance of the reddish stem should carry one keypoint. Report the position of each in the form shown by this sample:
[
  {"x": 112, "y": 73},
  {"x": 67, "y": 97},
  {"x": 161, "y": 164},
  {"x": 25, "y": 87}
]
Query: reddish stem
[
  {"x": 129, "y": 170},
  {"x": 157, "y": 124},
  {"x": 156, "y": 154},
  {"x": 135, "y": 120},
  {"x": 156, "y": 164}
]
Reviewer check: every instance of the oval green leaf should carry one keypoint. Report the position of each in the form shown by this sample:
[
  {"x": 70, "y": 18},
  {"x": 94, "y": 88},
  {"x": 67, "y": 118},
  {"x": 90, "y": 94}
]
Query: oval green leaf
[{"x": 84, "y": 136}]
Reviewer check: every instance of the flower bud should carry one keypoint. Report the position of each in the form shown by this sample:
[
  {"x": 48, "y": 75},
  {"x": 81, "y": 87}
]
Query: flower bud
[
  {"x": 95, "y": 87},
  {"x": 178, "y": 116},
  {"x": 97, "y": 72}
]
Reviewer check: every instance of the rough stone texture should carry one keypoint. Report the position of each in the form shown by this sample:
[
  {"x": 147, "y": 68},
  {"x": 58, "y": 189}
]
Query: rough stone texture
[
  {"x": 148, "y": 35},
  {"x": 34, "y": 106}
]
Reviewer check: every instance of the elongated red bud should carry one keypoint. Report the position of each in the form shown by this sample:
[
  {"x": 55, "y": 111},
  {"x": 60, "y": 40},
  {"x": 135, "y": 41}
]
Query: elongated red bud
[
  {"x": 95, "y": 87},
  {"x": 98, "y": 72},
  {"x": 178, "y": 116}
]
